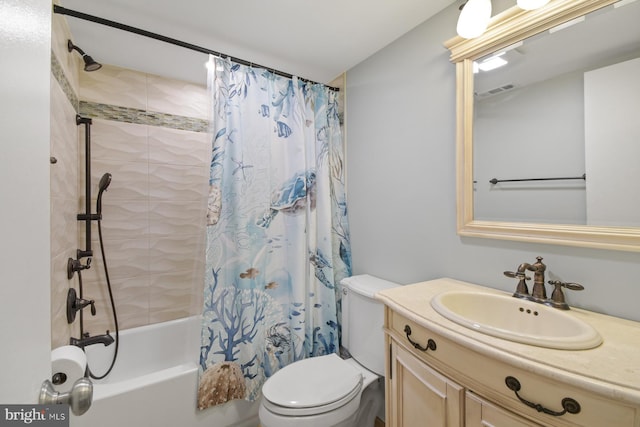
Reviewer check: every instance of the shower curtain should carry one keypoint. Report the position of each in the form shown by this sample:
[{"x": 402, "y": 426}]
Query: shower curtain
[{"x": 277, "y": 234}]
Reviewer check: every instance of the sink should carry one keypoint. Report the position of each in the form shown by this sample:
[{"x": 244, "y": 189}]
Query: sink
[{"x": 516, "y": 319}]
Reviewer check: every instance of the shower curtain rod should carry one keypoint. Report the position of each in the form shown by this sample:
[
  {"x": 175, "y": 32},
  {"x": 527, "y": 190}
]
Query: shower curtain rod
[{"x": 80, "y": 15}]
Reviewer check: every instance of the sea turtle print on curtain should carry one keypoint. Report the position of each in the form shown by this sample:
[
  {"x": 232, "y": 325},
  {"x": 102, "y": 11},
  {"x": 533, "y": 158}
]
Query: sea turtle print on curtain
[{"x": 277, "y": 235}]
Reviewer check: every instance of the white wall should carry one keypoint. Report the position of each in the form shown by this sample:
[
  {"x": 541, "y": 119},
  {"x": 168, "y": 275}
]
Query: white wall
[
  {"x": 25, "y": 35},
  {"x": 401, "y": 184}
]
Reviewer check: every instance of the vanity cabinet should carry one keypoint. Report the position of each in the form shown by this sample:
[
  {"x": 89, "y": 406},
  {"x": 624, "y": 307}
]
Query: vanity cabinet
[
  {"x": 433, "y": 379},
  {"x": 421, "y": 395}
]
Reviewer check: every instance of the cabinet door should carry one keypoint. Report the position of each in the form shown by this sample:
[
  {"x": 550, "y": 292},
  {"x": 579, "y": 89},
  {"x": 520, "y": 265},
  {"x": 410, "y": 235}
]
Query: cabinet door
[
  {"x": 420, "y": 396},
  {"x": 480, "y": 413}
]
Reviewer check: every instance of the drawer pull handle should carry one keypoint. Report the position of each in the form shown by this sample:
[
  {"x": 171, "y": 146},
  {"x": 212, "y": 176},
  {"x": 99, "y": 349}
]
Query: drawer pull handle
[
  {"x": 568, "y": 404},
  {"x": 431, "y": 344}
]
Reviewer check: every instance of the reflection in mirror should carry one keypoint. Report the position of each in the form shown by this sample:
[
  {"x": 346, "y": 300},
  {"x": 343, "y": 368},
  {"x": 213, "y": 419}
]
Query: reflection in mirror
[
  {"x": 590, "y": 128},
  {"x": 557, "y": 124}
]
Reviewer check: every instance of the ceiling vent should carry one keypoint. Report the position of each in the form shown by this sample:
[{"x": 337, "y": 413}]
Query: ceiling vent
[{"x": 494, "y": 91}]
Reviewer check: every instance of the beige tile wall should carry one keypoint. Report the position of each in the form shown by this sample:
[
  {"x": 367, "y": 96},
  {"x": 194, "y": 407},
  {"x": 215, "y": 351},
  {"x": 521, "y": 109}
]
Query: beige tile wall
[
  {"x": 64, "y": 180},
  {"x": 154, "y": 210}
]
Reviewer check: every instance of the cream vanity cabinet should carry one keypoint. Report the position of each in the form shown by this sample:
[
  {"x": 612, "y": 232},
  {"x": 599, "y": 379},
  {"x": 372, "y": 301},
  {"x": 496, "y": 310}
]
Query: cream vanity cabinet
[
  {"x": 440, "y": 375},
  {"x": 420, "y": 395}
]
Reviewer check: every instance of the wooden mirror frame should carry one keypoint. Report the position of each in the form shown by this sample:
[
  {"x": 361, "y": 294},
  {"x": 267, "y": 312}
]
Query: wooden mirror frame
[{"x": 505, "y": 29}]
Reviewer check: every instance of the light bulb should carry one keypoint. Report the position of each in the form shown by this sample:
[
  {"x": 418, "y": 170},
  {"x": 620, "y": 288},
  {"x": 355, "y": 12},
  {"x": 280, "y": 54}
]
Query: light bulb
[
  {"x": 474, "y": 18},
  {"x": 531, "y": 4}
]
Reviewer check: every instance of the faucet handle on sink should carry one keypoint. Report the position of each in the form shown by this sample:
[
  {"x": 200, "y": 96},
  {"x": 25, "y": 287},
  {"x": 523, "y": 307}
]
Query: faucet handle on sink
[
  {"x": 557, "y": 296},
  {"x": 522, "y": 291}
]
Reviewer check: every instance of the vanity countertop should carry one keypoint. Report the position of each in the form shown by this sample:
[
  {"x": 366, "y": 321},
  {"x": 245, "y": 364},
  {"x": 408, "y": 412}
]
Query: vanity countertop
[{"x": 611, "y": 369}]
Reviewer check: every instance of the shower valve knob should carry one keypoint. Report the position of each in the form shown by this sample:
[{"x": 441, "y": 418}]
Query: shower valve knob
[
  {"x": 74, "y": 265},
  {"x": 75, "y": 304}
]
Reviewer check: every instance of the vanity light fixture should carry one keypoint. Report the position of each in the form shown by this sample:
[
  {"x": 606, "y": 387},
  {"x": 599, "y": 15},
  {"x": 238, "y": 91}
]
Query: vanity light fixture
[
  {"x": 474, "y": 18},
  {"x": 475, "y": 15}
]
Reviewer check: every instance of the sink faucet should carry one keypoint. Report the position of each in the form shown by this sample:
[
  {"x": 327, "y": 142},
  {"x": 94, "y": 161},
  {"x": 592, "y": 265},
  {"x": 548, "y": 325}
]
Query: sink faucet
[
  {"x": 86, "y": 340},
  {"x": 539, "y": 292}
]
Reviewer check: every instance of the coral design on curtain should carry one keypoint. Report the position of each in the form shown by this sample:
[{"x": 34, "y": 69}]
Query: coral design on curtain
[{"x": 277, "y": 235}]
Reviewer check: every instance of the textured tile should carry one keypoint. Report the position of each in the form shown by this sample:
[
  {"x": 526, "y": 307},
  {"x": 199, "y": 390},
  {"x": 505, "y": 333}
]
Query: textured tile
[
  {"x": 177, "y": 97},
  {"x": 63, "y": 144},
  {"x": 64, "y": 226},
  {"x": 158, "y": 152},
  {"x": 115, "y": 86},
  {"x": 167, "y": 218},
  {"x": 69, "y": 61},
  {"x": 178, "y": 147},
  {"x": 176, "y": 253},
  {"x": 118, "y": 141},
  {"x": 60, "y": 329},
  {"x": 177, "y": 182},
  {"x": 122, "y": 219},
  {"x": 125, "y": 259},
  {"x": 175, "y": 295},
  {"x": 129, "y": 181},
  {"x": 131, "y": 297}
]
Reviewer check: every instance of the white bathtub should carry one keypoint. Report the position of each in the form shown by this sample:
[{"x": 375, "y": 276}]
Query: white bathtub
[{"x": 154, "y": 382}]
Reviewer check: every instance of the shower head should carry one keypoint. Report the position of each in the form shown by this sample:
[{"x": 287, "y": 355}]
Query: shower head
[
  {"x": 104, "y": 182},
  {"x": 89, "y": 63},
  {"x": 102, "y": 187}
]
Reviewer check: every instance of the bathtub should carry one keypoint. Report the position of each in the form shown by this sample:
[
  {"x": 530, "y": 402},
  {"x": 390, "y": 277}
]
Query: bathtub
[{"x": 154, "y": 382}]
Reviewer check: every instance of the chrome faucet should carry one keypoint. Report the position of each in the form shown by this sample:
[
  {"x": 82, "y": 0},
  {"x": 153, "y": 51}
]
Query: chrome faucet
[{"x": 539, "y": 292}]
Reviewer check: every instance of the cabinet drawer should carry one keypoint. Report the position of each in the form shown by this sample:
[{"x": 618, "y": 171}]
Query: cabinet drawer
[{"x": 487, "y": 377}]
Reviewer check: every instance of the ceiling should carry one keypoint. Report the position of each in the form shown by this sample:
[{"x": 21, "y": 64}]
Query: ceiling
[{"x": 294, "y": 36}]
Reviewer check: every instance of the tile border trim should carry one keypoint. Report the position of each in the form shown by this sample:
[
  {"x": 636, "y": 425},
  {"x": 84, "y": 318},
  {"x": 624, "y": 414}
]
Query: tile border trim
[
  {"x": 142, "y": 117},
  {"x": 61, "y": 78},
  {"x": 124, "y": 114}
]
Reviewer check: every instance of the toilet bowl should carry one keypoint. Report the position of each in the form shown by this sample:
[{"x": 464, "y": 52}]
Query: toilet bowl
[
  {"x": 317, "y": 392},
  {"x": 328, "y": 391}
]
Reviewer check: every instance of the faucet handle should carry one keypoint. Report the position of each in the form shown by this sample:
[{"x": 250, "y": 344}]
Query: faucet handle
[
  {"x": 517, "y": 275},
  {"x": 568, "y": 285},
  {"x": 557, "y": 296},
  {"x": 522, "y": 291}
]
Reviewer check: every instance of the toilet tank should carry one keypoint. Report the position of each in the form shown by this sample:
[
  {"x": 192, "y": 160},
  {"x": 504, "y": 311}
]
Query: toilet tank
[{"x": 363, "y": 320}]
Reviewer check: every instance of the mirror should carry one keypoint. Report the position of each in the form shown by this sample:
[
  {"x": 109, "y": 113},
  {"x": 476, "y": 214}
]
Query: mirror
[{"x": 534, "y": 136}]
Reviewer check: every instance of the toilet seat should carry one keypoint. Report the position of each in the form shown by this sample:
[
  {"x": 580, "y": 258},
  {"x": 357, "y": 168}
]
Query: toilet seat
[{"x": 312, "y": 386}]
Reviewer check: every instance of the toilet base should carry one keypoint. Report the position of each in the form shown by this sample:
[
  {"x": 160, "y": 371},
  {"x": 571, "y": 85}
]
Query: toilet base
[{"x": 371, "y": 403}]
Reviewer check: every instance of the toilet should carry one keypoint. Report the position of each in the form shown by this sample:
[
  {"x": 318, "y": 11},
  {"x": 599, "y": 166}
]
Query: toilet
[{"x": 328, "y": 391}]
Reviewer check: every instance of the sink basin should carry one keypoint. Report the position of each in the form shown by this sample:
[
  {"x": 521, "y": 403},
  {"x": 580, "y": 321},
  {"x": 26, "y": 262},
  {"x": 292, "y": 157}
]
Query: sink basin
[{"x": 515, "y": 319}]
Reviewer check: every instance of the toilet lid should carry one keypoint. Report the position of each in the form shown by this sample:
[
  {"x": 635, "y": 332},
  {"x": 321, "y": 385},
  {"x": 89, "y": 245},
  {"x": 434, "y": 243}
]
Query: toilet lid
[{"x": 313, "y": 382}]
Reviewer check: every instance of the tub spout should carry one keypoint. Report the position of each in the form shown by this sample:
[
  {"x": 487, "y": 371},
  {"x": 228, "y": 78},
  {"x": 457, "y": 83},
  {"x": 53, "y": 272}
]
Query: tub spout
[{"x": 86, "y": 340}]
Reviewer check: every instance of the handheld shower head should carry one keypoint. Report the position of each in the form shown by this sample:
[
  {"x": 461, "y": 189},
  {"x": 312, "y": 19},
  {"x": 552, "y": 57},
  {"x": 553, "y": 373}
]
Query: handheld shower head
[
  {"x": 102, "y": 187},
  {"x": 104, "y": 182}
]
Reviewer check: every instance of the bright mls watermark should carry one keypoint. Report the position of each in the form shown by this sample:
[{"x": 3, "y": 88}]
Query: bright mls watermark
[{"x": 34, "y": 415}]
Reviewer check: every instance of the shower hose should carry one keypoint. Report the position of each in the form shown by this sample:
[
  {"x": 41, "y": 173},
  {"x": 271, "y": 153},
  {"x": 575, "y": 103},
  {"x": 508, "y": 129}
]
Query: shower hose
[{"x": 113, "y": 308}]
